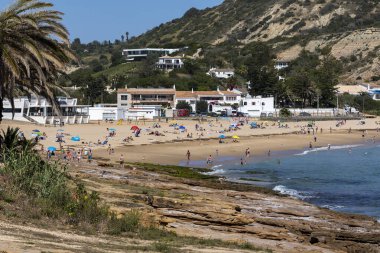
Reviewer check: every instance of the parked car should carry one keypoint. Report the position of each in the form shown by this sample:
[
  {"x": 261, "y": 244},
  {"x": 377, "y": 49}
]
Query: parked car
[
  {"x": 213, "y": 114},
  {"x": 305, "y": 114},
  {"x": 241, "y": 114}
]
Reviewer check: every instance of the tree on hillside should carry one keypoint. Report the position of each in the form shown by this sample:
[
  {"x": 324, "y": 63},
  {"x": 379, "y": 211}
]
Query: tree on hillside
[
  {"x": 34, "y": 48},
  {"x": 184, "y": 105},
  {"x": 127, "y": 36},
  {"x": 94, "y": 91},
  {"x": 259, "y": 69}
]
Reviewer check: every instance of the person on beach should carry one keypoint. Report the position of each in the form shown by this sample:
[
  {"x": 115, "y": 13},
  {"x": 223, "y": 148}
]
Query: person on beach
[
  {"x": 328, "y": 146},
  {"x": 209, "y": 159},
  {"x": 241, "y": 161},
  {"x": 310, "y": 145},
  {"x": 315, "y": 138},
  {"x": 121, "y": 159},
  {"x": 247, "y": 152},
  {"x": 188, "y": 155},
  {"x": 269, "y": 152},
  {"x": 89, "y": 156}
]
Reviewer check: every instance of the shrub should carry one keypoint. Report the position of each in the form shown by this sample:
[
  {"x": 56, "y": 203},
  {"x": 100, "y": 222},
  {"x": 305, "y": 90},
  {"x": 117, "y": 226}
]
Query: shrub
[
  {"x": 284, "y": 112},
  {"x": 130, "y": 222}
]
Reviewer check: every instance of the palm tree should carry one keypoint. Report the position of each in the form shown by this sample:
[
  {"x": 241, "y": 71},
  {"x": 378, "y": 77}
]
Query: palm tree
[{"x": 34, "y": 50}]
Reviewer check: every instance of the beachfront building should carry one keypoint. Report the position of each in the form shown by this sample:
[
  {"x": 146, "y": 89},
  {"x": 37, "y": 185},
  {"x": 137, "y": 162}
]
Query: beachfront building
[
  {"x": 212, "y": 98},
  {"x": 144, "y": 103},
  {"x": 142, "y": 53},
  {"x": 257, "y": 106},
  {"x": 104, "y": 112},
  {"x": 169, "y": 63},
  {"x": 39, "y": 110},
  {"x": 221, "y": 73}
]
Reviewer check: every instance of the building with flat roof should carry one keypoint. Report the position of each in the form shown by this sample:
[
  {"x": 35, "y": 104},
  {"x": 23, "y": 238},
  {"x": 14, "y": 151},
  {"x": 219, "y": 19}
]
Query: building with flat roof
[
  {"x": 142, "y": 53},
  {"x": 39, "y": 110},
  {"x": 169, "y": 63},
  {"x": 221, "y": 73},
  {"x": 130, "y": 97}
]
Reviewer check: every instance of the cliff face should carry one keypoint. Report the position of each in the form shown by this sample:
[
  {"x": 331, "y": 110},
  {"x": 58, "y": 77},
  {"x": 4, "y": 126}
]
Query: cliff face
[{"x": 350, "y": 28}]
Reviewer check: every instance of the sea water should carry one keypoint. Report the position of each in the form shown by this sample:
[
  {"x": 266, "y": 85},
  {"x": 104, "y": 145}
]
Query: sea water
[{"x": 343, "y": 178}]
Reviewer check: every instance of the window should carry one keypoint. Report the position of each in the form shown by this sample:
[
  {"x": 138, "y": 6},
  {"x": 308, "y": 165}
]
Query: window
[
  {"x": 263, "y": 103},
  {"x": 124, "y": 97},
  {"x": 124, "y": 104},
  {"x": 253, "y": 103},
  {"x": 245, "y": 103},
  {"x": 9, "y": 110}
]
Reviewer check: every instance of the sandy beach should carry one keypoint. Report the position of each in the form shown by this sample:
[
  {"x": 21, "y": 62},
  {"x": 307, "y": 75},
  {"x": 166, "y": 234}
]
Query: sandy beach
[{"x": 172, "y": 146}]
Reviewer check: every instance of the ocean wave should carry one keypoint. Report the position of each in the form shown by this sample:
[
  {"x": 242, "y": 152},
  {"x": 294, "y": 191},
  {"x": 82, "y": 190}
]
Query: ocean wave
[
  {"x": 215, "y": 170},
  {"x": 333, "y": 207},
  {"x": 326, "y": 148},
  {"x": 292, "y": 193}
]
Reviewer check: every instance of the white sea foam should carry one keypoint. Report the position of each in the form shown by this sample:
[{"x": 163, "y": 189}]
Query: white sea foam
[
  {"x": 333, "y": 207},
  {"x": 326, "y": 148},
  {"x": 216, "y": 170},
  {"x": 291, "y": 192}
]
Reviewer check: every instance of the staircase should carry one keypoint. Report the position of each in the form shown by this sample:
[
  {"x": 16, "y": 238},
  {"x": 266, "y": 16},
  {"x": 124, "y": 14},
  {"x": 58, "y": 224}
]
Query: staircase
[{"x": 30, "y": 119}]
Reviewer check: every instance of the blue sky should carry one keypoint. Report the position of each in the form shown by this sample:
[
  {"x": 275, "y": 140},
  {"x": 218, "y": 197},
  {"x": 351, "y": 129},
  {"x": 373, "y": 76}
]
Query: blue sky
[{"x": 109, "y": 19}]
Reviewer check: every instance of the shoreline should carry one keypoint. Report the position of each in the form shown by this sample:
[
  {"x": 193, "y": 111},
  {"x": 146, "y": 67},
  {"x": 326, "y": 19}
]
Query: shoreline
[{"x": 174, "y": 152}]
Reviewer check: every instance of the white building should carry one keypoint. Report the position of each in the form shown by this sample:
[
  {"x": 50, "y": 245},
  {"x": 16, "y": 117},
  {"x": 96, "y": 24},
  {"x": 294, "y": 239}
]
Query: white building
[
  {"x": 257, "y": 106},
  {"x": 280, "y": 64},
  {"x": 142, "y": 53},
  {"x": 169, "y": 62},
  {"x": 221, "y": 73},
  {"x": 39, "y": 110},
  {"x": 104, "y": 112},
  {"x": 217, "y": 97}
]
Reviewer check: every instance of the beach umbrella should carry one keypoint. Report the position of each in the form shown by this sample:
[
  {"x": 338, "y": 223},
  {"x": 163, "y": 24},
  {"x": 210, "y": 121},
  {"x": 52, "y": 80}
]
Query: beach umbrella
[
  {"x": 52, "y": 149},
  {"x": 60, "y": 130},
  {"x": 134, "y": 128},
  {"x": 235, "y": 137},
  {"x": 75, "y": 138},
  {"x": 38, "y": 134},
  {"x": 36, "y": 131},
  {"x": 222, "y": 136},
  {"x": 182, "y": 127},
  {"x": 112, "y": 129},
  {"x": 60, "y": 136},
  {"x": 34, "y": 135}
]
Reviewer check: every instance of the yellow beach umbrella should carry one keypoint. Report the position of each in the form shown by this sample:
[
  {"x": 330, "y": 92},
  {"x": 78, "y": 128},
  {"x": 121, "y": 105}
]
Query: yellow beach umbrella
[{"x": 235, "y": 137}]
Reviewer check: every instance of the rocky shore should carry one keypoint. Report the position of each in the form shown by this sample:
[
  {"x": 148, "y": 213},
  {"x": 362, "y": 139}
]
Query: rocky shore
[{"x": 192, "y": 204}]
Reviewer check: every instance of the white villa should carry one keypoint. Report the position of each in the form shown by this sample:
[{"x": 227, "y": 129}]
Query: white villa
[
  {"x": 39, "y": 110},
  {"x": 213, "y": 98},
  {"x": 142, "y": 53},
  {"x": 281, "y": 65},
  {"x": 168, "y": 63},
  {"x": 221, "y": 73}
]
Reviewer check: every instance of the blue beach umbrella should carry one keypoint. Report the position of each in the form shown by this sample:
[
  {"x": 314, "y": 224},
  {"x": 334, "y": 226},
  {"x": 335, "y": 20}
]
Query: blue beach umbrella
[
  {"x": 36, "y": 131},
  {"x": 112, "y": 129},
  {"x": 52, "y": 149},
  {"x": 182, "y": 127},
  {"x": 222, "y": 136},
  {"x": 75, "y": 138},
  {"x": 60, "y": 130}
]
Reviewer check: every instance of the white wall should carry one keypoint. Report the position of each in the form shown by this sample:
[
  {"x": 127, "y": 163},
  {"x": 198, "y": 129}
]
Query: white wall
[
  {"x": 257, "y": 105},
  {"x": 98, "y": 113}
]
